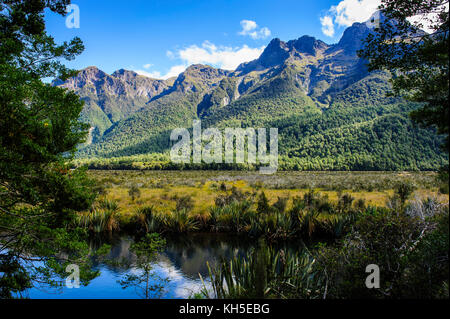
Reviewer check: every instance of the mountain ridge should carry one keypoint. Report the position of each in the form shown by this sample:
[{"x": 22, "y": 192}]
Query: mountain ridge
[{"x": 298, "y": 81}]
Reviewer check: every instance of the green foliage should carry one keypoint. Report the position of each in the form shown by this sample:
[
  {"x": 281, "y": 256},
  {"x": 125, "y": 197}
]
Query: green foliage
[
  {"x": 146, "y": 220},
  {"x": 184, "y": 202},
  {"x": 410, "y": 249},
  {"x": 146, "y": 251},
  {"x": 393, "y": 242},
  {"x": 429, "y": 262},
  {"x": 101, "y": 219},
  {"x": 281, "y": 204},
  {"x": 265, "y": 273},
  {"x": 418, "y": 60},
  {"x": 39, "y": 132},
  {"x": 253, "y": 215},
  {"x": 263, "y": 204},
  {"x": 14, "y": 279},
  {"x": 180, "y": 222},
  {"x": 235, "y": 195},
  {"x": 369, "y": 137},
  {"x": 443, "y": 179},
  {"x": 134, "y": 192},
  {"x": 404, "y": 191},
  {"x": 345, "y": 136}
]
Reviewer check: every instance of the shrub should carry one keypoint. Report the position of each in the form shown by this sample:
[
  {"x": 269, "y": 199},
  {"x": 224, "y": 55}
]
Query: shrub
[
  {"x": 266, "y": 272},
  {"x": 360, "y": 205},
  {"x": 345, "y": 202},
  {"x": 281, "y": 204},
  {"x": 404, "y": 190},
  {"x": 263, "y": 206},
  {"x": 412, "y": 254},
  {"x": 184, "y": 202},
  {"x": 134, "y": 192},
  {"x": 180, "y": 222},
  {"x": 235, "y": 195},
  {"x": 98, "y": 221},
  {"x": 147, "y": 220}
]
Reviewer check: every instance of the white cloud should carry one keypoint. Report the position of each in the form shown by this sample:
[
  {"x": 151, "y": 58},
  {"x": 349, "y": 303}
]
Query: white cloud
[
  {"x": 327, "y": 26},
  {"x": 148, "y": 74},
  {"x": 264, "y": 33},
  {"x": 347, "y": 12},
  {"x": 250, "y": 28},
  {"x": 427, "y": 21},
  {"x": 247, "y": 26},
  {"x": 222, "y": 57},
  {"x": 170, "y": 54},
  {"x": 173, "y": 71}
]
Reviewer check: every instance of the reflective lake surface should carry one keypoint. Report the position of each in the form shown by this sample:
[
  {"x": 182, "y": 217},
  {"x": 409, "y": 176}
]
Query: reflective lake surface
[{"x": 184, "y": 258}]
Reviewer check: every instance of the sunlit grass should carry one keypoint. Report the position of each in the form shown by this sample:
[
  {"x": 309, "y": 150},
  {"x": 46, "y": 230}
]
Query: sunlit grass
[
  {"x": 158, "y": 188},
  {"x": 204, "y": 198}
]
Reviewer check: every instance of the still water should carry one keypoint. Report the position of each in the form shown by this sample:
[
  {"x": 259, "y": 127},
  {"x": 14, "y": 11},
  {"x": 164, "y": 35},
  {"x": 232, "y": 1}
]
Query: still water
[{"x": 184, "y": 258}]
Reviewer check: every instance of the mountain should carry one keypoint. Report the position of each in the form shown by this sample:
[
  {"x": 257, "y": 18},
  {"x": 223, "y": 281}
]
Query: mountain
[
  {"x": 111, "y": 98},
  {"x": 150, "y": 127},
  {"x": 331, "y": 112}
]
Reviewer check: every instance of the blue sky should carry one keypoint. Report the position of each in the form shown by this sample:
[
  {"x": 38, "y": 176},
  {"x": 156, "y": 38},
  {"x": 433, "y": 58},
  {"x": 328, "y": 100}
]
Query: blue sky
[{"x": 160, "y": 38}]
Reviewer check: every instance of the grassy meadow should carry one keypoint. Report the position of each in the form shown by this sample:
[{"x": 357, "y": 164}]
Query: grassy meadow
[{"x": 160, "y": 189}]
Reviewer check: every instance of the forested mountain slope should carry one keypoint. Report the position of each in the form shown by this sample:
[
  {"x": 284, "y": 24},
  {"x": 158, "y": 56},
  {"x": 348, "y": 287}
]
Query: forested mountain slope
[
  {"x": 111, "y": 98},
  {"x": 330, "y": 111}
]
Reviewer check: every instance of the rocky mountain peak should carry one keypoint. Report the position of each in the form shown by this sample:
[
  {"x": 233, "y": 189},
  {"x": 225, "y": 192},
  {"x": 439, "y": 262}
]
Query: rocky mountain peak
[
  {"x": 92, "y": 73},
  {"x": 125, "y": 74},
  {"x": 353, "y": 38},
  {"x": 275, "y": 53},
  {"x": 199, "y": 76},
  {"x": 204, "y": 71},
  {"x": 88, "y": 76},
  {"x": 307, "y": 44}
]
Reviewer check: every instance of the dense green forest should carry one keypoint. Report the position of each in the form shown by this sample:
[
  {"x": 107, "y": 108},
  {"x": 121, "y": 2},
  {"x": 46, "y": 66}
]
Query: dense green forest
[{"x": 362, "y": 129}]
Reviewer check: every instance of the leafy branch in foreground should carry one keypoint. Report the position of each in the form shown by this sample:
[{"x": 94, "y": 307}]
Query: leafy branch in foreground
[
  {"x": 39, "y": 132},
  {"x": 418, "y": 60}
]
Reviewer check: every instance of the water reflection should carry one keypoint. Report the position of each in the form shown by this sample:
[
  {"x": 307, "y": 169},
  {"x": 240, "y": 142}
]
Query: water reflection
[
  {"x": 190, "y": 255},
  {"x": 184, "y": 258}
]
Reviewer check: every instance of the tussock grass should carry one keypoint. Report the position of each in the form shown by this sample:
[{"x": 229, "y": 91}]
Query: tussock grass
[{"x": 298, "y": 203}]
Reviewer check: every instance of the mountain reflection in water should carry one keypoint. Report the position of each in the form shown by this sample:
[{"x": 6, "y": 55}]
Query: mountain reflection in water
[{"x": 184, "y": 258}]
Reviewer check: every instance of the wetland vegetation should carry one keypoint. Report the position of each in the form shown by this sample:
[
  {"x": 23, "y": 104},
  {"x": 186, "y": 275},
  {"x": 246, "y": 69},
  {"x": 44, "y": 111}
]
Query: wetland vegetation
[{"x": 304, "y": 239}]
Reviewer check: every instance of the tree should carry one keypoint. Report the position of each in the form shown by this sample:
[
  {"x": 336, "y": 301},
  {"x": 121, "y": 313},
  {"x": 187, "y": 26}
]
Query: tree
[
  {"x": 39, "y": 132},
  {"x": 134, "y": 192},
  {"x": 404, "y": 191},
  {"x": 145, "y": 252},
  {"x": 263, "y": 206},
  {"x": 418, "y": 60}
]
